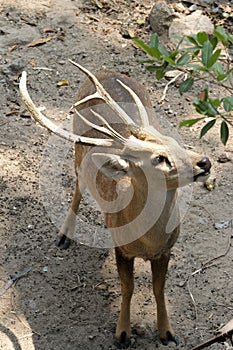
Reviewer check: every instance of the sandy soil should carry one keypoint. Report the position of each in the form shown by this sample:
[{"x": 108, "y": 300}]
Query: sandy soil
[{"x": 70, "y": 299}]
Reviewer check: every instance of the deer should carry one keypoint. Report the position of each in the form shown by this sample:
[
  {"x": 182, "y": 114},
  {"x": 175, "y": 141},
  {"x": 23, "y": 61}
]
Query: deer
[{"x": 115, "y": 140}]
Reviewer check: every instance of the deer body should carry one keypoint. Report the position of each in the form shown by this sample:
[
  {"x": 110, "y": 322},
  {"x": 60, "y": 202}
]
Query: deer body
[{"x": 152, "y": 165}]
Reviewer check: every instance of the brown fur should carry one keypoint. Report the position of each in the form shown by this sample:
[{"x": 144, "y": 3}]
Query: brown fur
[{"x": 156, "y": 243}]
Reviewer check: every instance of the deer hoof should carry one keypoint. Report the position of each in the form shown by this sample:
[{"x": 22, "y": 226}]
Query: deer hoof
[
  {"x": 122, "y": 342},
  {"x": 62, "y": 242},
  {"x": 169, "y": 338}
]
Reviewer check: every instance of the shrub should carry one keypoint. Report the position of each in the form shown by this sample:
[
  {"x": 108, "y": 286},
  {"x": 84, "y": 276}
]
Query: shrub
[{"x": 198, "y": 57}]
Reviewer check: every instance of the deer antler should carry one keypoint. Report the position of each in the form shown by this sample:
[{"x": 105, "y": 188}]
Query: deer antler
[
  {"x": 104, "y": 95},
  {"x": 132, "y": 142},
  {"x": 48, "y": 124},
  {"x": 108, "y": 130},
  {"x": 142, "y": 110}
]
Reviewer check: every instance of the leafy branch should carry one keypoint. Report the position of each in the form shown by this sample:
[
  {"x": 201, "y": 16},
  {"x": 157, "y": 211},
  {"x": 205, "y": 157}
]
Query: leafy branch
[{"x": 199, "y": 57}]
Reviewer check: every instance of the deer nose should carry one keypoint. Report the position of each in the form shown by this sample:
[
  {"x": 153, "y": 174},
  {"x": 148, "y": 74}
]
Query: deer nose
[{"x": 205, "y": 164}]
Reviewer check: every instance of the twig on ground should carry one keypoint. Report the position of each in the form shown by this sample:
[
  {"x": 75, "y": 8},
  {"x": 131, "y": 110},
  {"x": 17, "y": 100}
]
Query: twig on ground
[
  {"x": 43, "y": 68},
  {"x": 167, "y": 85},
  {"x": 207, "y": 265},
  {"x": 192, "y": 298},
  {"x": 224, "y": 333},
  {"x": 13, "y": 279}
]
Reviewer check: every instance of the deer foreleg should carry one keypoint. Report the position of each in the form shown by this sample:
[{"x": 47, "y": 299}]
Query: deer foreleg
[
  {"x": 68, "y": 228},
  {"x": 159, "y": 270},
  {"x": 125, "y": 270}
]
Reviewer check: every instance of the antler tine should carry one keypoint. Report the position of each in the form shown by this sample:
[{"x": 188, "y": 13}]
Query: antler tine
[
  {"x": 142, "y": 111},
  {"x": 108, "y": 130},
  {"x": 102, "y": 94},
  {"x": 132, "y": 143},
  {"x": 48, "y": 124},
  {"x": 112, "y": 131}
]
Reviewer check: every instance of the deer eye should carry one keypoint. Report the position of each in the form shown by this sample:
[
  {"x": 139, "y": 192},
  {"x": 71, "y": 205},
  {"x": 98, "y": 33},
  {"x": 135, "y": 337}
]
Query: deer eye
[{"x": 157, "y": 160}]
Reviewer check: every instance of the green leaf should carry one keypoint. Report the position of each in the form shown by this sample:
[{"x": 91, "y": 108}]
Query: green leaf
[
  {"x": 214, "y": 41},
  {"x": 154, "y": 40},
  {"x": 155, "y": 68},
  {"x": 205, "y": 107},
  {"x": 219, "y": 71},
  {"x": 155, "y": 53},
  {"x": 160, "y": 74},
  {"x": 202, "y": 37},
  {"x": 161, "y": 69},
  {"x": 152, "y": 68},
  {"x": 201, "y": 106},
  {"x": 173, "y": 54},
  {"x": 190, "y": 122},
  {"x": 218, "y": 68},
  {"x": 151, "y": 51},
  {"x": 146, "y": 61},
  {"x": 206, "y": 53},
  {"x": 182, "y": 60},
  {"x": 213, "y": 58},
  {"x": 230, "y": 37},
  {"x": 163, "y": 51},
  {"x": 215, "y": 102},
  {"x": 224, "y": 132},
  {"x": 169, "y": 60},
  {"x": 221, "y": 77},
  {"x": 186, "y": 85},
  {"x": 207, "y": 127},
  {"x": 221, "y": 34},
  {"x": 195, "y": 54},
  {"x": 191, "y": 49},
  {"x": 142, "y": 45},
  {"x": 202, "y": 69},
  {"x": 193, "y": 39},
  {"x": 228, "y": 103}
]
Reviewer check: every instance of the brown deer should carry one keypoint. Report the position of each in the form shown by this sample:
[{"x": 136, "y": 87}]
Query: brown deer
[{"x": 115, "y": 141}]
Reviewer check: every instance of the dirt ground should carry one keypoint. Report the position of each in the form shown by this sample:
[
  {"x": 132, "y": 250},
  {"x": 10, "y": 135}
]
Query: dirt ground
[{"x": 70, "y": 298}]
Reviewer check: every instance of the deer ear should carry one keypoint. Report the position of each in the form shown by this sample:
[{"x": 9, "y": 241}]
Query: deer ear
[{"x": 111, "y": 165}]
